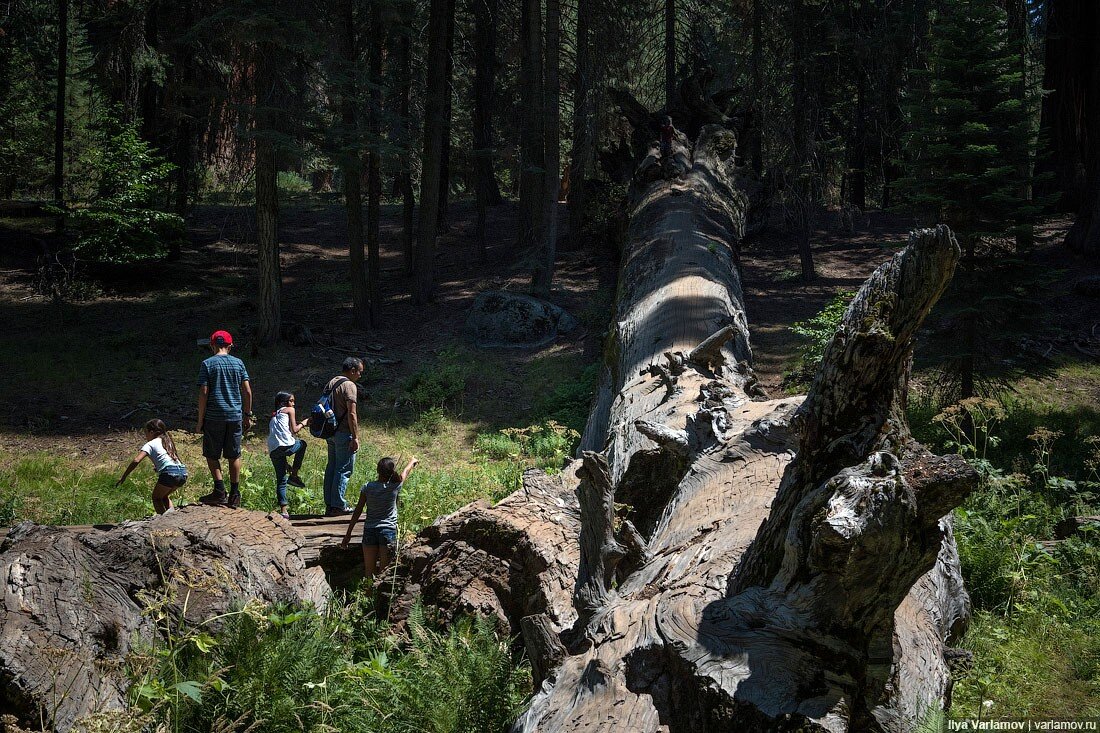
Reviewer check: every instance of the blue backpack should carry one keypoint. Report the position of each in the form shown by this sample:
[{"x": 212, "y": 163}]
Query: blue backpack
[{"x": 322, "y": 418}]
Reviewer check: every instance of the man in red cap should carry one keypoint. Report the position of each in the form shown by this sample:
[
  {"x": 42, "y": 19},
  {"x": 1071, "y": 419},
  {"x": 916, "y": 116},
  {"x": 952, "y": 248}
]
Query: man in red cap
[{"x": 225, "y": 412}]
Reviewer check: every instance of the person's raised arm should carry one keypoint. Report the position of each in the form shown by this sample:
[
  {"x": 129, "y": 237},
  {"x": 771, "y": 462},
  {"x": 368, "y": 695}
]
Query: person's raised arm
[
  {"x": 409, "y": 469},
  {"x": 354, "y": 518},
  {"x": 138, "y": 458},
  {"x": 292, "y": 421}
]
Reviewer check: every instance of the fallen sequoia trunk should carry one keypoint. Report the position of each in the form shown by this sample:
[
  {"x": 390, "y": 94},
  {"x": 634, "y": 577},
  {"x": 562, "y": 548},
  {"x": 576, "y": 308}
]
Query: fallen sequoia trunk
[
  {"x": 782, "y": 564},
  {"x": 72, "y": 602}
]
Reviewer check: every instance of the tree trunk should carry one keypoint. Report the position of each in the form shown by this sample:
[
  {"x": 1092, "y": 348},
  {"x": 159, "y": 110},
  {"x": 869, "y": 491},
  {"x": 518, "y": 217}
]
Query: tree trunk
[
  {"x": 59, "y": 102},
  {"x": 408, "y": 196},
  {"x": 532, "y": 147},
  {"x": 543, "y": 276},
  {"x": 72, "y": 599},
  {"x": 374, "y": 163},
  {"x": 857, "y": 182},
  {"x": 448, "y": 101},
  {"x": 756, "y": 131},
  {"x": 486, "y": 16},
  {"x": 583, "y": 98},
  {"x": 267, "y": 200},
  {"x": 434, "y": 126},
  {"x": 791, "y": 569},
  {"x": 352, "y": 163},
  {"x": 1069, "y": 71},
  {"x": 1084, "y": 236}
]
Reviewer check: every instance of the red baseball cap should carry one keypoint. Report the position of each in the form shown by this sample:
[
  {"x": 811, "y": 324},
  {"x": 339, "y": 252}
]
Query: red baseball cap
[{"x": 221, "y": 338}]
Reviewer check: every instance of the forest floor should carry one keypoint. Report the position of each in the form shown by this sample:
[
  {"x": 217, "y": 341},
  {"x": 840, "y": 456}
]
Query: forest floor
[{"x": 80, "y": 377}]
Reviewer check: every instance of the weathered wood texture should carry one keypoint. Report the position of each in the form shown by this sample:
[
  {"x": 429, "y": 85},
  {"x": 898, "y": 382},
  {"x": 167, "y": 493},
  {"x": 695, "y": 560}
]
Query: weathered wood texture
[
  {"x": 72, "y": 601},
  {"x": 760, "y": 591},
  {"x": 508, "y": 561}
]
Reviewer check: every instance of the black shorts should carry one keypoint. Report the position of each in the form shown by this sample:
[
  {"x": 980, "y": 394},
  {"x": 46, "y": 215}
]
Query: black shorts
[{"x": 221, "y": 439}]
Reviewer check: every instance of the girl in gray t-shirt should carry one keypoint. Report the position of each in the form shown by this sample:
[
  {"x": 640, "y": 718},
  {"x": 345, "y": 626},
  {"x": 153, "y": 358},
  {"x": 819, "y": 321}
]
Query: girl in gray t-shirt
[{"x": 379, "y": 500}]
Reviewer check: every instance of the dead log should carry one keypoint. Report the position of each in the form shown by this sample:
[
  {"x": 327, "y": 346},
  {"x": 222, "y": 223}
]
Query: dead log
[
  {"x": 792, "y": 567},
  {"x": 72, "y": 602}
]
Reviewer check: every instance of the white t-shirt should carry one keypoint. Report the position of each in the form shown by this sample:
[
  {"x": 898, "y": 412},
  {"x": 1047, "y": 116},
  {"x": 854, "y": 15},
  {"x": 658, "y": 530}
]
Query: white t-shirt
[
  {"x": 161, "y": 459},
  {"x": 278, "y": 431}
]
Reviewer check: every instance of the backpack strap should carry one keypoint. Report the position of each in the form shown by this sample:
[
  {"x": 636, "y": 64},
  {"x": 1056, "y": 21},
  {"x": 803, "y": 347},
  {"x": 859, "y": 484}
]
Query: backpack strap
[{"x": 330, "y": 390}]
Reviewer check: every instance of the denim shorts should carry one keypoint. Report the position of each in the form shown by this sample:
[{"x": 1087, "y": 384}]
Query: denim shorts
[
  {"x": 173, "y": 476},
  {"x": 379, "y": 536}
]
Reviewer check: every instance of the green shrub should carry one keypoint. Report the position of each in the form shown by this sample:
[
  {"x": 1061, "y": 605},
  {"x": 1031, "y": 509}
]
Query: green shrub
[
  {"x": 570, "y": 401},
  {"x": 281, "y": 668},
  {"x": 818, "y": 332},
  {"x": 431, "y": 421},
  {"x": 291, "y": 182},
  {"x": 441, "y": 384},
  {"x": 546, "y": 445},
  {"x": 123, "y": 222}
]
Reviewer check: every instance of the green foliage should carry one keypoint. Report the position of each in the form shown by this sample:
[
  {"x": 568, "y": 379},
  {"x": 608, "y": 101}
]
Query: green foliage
[
  {"x": 25, "y": 130},
  {"x": 291, "y": 182},
  {"x": 1036, "y": 601},
  {"x": 280, "y": 668},
  {"x": 569, "y": 401},
  {"x": 818, "y": 332},
  {"x": 123, "y": 223},
  {"x": 442, "y": 384},
  {"x": 546, "y": 445},
  {"x": 970, "y": 126},
  {"x": 431, "y": 421}
]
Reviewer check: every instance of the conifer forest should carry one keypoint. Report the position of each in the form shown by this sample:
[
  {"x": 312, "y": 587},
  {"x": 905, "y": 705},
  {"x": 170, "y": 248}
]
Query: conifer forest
[{"x": 548, "y": 366}]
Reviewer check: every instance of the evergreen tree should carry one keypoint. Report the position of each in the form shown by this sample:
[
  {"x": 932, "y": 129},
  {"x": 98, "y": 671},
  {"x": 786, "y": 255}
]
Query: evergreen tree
[{"x": 969, "y": 142}]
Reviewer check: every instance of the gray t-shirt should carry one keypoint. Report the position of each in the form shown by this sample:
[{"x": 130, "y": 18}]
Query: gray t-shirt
[{"x": 380, "y": 509}]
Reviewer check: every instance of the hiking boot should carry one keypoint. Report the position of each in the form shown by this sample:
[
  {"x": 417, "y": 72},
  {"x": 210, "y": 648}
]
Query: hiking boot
[
  {"x": 214, "y": 498},
  {"x": 295, "y": 481},
  {"x": 234, "y": 501}
]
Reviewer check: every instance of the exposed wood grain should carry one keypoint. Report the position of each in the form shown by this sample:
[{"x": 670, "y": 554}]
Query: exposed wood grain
[{"x": 72, "y": 598}]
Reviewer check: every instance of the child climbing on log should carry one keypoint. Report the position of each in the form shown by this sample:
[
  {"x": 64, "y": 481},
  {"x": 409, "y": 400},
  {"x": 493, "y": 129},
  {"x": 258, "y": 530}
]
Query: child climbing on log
[
  {"x": 281, "y": 443},
  {"x": 380, "y": 522},
  {"x": 161, "y": 450}
]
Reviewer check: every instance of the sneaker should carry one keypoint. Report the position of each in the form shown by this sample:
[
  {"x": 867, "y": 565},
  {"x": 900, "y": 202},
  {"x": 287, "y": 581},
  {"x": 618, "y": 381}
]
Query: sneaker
[
  {"x": 234, "y": 501},
  {"x": 214, "y": 498},
  {"x": 335, "y": 511},
  {"x": 295, "y": 481},
  {"x": 285, "y": 515}
]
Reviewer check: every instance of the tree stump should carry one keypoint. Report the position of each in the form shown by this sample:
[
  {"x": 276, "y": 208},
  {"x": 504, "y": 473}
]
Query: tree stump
[{"x": 72, "y": 601}]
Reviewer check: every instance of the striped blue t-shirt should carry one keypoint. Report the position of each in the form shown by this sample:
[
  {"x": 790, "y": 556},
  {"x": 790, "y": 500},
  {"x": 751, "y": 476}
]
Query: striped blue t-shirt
[{"x": 223, "y": 375}]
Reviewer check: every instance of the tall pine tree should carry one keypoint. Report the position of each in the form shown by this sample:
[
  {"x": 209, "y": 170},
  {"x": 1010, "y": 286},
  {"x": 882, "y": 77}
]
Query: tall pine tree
[{"x": 969, "y": 142}]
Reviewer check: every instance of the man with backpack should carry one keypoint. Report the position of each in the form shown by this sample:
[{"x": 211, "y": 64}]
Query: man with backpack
[
  {"x": 225, "y": 411},
  {"x": 340, "y": 396}
]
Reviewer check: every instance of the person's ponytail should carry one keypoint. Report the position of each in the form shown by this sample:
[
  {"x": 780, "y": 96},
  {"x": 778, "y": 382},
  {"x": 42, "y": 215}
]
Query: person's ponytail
[{"x": 160, "y": 430}]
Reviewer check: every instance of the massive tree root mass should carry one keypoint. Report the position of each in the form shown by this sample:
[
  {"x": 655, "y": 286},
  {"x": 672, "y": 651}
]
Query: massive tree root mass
[{"x": 737, "y": 563}]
